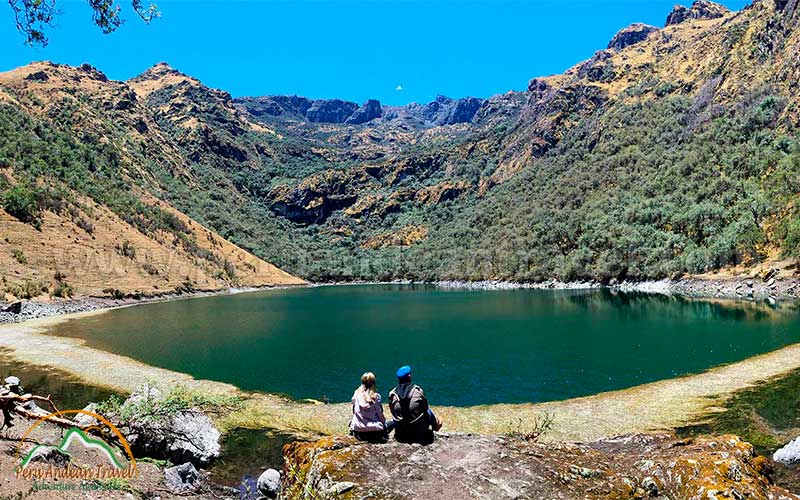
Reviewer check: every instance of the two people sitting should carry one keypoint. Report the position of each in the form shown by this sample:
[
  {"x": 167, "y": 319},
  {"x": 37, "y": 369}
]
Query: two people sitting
[{"x": 413, "y": 421}]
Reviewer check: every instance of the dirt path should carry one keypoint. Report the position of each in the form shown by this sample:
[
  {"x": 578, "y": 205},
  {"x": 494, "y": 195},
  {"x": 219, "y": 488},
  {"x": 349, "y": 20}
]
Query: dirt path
[{"x": 655, "y": 406}]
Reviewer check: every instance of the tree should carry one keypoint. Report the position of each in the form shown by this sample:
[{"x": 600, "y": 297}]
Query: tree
[{"x": 33, "y": 17}]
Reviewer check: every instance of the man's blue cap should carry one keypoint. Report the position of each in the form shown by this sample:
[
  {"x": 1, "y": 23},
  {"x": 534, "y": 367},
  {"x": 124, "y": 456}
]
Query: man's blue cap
[{"x": 403, "y": 371}]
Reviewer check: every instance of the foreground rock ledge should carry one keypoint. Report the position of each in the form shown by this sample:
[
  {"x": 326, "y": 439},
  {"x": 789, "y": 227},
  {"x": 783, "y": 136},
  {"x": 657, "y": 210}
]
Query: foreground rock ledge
[{"x": 460, "y": 466}]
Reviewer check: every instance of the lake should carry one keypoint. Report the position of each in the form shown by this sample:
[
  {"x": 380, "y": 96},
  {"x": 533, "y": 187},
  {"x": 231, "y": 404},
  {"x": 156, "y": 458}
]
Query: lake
[{"x": 466, "y": 347}]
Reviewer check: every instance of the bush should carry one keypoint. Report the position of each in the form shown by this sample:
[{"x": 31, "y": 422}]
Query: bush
[
  {"x": 22, "y": 204},
  {"x": 19, "y": 256},
  {"x": 127, "y": 250},
  {"x": 114, "y": 293},
  {"x": 63, "y": 290}
]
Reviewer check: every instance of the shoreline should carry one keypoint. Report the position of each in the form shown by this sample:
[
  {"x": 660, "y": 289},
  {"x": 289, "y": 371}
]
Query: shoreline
[
  {"x": 771, "y": 291},
  {"x": 32, "y": 310},
  {"x": 656, "y": 406}
]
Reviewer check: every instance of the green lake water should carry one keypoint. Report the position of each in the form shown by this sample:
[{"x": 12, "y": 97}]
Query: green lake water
[{"x": 466, "y": 347}]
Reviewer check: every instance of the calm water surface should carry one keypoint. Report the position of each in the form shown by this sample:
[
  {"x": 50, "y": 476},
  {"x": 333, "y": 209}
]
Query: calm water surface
[{"x": 466, "y": 347}]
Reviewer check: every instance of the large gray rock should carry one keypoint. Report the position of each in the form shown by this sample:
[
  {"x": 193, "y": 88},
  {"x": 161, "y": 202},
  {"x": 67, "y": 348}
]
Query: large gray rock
[
  {"x": 182, "y": 478},
  {"x": 269, "y": 483},
  {"x": 183, "y": 436},
  {"x": 194, "y": 438},
  {"x": 789, "y": 454}
]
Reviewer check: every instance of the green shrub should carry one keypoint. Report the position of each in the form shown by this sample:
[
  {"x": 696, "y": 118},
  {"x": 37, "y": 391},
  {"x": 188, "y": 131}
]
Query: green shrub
[
  {"x": 63, "y": 290},
  {"x": 22, "y": 204},
  {"x": 19, "y": 256}
]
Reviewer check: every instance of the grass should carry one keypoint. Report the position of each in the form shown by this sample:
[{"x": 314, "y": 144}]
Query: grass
[{"x": 767, "y": 416}]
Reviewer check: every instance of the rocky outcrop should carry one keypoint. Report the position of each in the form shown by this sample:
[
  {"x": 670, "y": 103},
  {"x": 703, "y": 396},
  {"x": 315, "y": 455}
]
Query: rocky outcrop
[
  {"x": 464, "y": 467},
  {"x": 369, "y": 111},
  {"x": 789, "y": 454},
  {"x": 403, "y": 237},
  {"x": 181, "y": 436},
  {"x": 330, "y": 111},
  {"x": 439, "y": 193},
  {"x": 316, "y": 197},
  {"x": 441, "y": 111},
  {"x": 631, "y": 35},
  {"x": 701, "y": 9},
  {"x": 788, "y": 7}
]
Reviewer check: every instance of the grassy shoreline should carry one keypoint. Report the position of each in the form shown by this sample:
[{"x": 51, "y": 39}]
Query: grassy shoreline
[{"x": 666, "y": 404}]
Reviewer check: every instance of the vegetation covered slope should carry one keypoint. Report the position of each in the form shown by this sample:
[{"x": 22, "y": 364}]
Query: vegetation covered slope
[
  {"x": 673, "y": 151},
  {"x": 76, "y": 217}
]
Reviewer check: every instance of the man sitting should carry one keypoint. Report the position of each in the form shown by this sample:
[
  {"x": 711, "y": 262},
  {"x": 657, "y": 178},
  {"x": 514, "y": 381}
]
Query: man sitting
[{"x": 414, "y": 420}]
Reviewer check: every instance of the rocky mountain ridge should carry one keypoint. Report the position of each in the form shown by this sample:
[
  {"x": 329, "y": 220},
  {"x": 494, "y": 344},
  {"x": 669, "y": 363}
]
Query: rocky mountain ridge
[
  {"x": 673, "y": 151},
  {"x": 441, "y": 111}
]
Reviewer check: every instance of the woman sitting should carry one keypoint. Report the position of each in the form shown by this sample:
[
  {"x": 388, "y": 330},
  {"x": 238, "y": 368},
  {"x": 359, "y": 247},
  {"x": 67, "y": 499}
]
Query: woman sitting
[{"x": 369, "y": 423}]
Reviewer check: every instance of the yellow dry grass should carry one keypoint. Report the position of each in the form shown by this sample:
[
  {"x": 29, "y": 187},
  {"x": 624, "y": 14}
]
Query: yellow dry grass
[{"x": 92, "y": 262}]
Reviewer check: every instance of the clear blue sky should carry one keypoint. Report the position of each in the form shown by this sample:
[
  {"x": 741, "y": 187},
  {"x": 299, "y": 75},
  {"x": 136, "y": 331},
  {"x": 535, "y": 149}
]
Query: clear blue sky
[{"x": 350, "y": 49}]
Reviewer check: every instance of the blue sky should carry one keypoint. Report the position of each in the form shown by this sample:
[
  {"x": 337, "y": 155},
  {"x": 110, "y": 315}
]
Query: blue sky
[{"x": 350, "y": 49}]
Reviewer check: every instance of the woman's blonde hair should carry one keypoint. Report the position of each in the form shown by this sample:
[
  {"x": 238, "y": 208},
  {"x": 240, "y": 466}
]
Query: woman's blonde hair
[{"x": 367, "y": 387}]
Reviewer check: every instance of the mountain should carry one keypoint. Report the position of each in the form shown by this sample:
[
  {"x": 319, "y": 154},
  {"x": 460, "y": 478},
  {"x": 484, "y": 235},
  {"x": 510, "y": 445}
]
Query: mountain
[
  {"x": 80, "y": 162},
  {"x": 672, "y": 151}
]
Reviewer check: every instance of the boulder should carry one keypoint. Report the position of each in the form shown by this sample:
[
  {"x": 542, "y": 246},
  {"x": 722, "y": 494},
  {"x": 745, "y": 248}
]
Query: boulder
[
  {"x": 631, "y": 35},
  {"x": 13, "y": 308},
  {"x": 269, "y": 483},
  {"x": 193, "y": 438},
  {"x": 182, "y": 478},
  {"x": 789, "y": 454},
  {"x": 183, "y": 436}
]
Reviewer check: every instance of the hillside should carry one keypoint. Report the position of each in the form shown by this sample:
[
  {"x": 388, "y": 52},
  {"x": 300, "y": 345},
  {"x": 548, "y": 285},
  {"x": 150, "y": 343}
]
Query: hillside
[
  {"x": 75, "y": 221},
  {"x": 673, "y": 151}
]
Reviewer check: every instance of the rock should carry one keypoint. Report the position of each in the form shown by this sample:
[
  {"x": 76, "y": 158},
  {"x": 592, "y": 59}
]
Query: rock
[
  {"x": 701, "y": 9},
  {"x": 340, "y": 488},
  {"x": 462, "y": 467},
  {"x": 631, "y": 35},
  {"x": 789, "y": 454},
  {"x": 84, "y": 420},
  {"x": 194, "y": 438},
  {"x": 269, "y": 483},
  {"x": 330, "y": 111},
  {"x": 32, "y": 407},
  {"x": 13, "y": 308},
  {"x": 185, "y": 436},
  {"x": 182, "y": 478},
  {"x": 367, "y": 112},
  {"x": 142, "y": 394},
  {"x": 51, "y": 455}
]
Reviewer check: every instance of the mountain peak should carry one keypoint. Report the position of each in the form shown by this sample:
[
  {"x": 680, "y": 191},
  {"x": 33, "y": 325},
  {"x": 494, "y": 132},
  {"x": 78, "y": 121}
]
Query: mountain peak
[
  {"x": 159, "y": 76},
  {"x": 700, "y": 9},
  {"x": 631, "y": 35}
]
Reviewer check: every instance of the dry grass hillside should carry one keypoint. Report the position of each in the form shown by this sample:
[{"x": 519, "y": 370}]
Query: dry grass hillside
[{"x": 116, "y": 258}]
